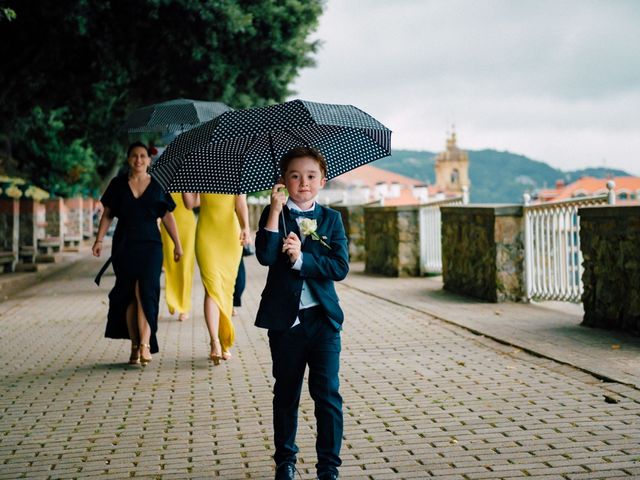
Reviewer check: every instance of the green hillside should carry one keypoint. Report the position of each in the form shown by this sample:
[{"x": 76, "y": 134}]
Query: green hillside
[{"x": 496, "y": 177}]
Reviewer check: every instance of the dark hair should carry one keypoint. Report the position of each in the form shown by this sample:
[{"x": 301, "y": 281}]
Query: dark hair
[
  {"x": 297, "y": 152},
  {"x": 136, "y": 145}
]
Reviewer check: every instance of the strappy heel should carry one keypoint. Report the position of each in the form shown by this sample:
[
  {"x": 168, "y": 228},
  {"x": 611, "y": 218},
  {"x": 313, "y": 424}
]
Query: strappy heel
[
  {"x": 144, "y": 359},
  {"x": 226, "y": 355},
  {"x": 216, "y": 352},
  {"x": 134, "y": 358}
]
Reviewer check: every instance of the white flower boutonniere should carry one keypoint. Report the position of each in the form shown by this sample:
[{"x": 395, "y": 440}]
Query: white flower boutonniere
[{"x": 308, "y": 227}]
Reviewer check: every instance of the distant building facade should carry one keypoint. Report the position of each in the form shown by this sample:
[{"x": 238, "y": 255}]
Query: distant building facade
[
  {"x": 369, "y": 184},
  {"x": 452, "y": 168}
]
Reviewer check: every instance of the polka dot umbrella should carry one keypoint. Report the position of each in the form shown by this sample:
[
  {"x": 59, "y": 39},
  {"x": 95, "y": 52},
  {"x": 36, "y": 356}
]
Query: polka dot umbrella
[
  {"x": 177, "y": 115},
  {"x": 238, "y": 152}
]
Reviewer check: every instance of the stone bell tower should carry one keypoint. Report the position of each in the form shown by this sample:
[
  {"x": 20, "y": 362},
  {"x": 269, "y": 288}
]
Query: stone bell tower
[{"x": 452, "y": 168}]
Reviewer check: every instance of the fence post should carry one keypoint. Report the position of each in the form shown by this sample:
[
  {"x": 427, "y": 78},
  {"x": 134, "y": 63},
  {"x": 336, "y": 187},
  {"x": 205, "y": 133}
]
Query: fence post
[
  {"x": 611, "y": 195},
  {"x": 482, "y": 251}
]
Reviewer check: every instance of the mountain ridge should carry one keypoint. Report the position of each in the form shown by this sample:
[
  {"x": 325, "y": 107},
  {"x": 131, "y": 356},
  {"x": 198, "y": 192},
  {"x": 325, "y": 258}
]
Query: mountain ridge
[{"x": 496, "y": 176}]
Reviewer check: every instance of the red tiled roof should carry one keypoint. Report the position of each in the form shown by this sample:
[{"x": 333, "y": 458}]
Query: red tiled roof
[{"x": 592, "y": 186}]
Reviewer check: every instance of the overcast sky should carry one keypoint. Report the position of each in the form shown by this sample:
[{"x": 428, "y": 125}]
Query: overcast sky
[{"x": 555, "y": 80}]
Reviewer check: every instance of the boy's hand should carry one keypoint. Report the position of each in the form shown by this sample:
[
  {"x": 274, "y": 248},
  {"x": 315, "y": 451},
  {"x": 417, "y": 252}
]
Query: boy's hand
[
  {"x": 291, "y": 246},
  {"x": 278, "y": 198}
]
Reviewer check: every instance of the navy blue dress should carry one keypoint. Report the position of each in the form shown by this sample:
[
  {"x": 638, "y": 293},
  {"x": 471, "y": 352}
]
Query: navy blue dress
[{"x": 136, "y": 253}]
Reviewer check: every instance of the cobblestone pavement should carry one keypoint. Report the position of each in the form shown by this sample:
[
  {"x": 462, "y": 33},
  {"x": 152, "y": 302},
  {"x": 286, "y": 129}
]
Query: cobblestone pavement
[{"x": 423, "y": 398}]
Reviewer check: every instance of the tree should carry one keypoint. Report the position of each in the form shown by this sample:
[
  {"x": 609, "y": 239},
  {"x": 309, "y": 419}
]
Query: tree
[
  {"x": 7, "y": 13},
  {"x": 71, "y": 167},
  {"x": 98, "y": 60}
]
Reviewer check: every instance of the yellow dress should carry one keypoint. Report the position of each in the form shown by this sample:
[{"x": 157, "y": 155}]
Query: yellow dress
[
  {"x": 179, "y": 275},
  {"x": 218, "y": 252}
]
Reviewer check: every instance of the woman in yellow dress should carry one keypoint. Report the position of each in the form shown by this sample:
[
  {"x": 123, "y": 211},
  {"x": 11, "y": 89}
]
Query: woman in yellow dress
[
  {"x": 179, "y": 276},
  {"x": 222, "y": 230}
]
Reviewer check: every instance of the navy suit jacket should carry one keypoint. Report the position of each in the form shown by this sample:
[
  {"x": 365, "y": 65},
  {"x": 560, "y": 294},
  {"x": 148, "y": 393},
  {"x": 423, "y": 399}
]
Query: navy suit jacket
[{"x": 321, "y": 266}]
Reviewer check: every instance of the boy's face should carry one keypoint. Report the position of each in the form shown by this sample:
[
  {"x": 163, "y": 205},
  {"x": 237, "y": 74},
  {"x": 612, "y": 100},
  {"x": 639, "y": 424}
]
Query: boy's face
[{"x": 303, "y": 179}]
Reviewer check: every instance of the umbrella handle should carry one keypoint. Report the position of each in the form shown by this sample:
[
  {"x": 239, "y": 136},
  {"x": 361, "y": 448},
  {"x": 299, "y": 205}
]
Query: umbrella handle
[{"x": 284, "y": 225}]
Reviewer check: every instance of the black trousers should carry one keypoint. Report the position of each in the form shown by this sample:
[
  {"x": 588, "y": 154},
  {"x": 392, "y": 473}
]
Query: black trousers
[
  {"x": 317, "y": 344},
  {"x": 241, "y": 281}
]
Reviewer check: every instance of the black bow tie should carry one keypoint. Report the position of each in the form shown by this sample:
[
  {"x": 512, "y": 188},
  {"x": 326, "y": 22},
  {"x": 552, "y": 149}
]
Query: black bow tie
[{"x": 298, "y": 213}]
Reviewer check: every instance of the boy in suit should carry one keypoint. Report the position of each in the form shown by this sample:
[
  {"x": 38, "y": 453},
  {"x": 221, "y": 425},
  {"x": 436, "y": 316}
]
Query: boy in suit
[{"x": 305, "y": 247}]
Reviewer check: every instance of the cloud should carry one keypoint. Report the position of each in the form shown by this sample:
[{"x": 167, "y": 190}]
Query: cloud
[{"x": 561, "y": 73}]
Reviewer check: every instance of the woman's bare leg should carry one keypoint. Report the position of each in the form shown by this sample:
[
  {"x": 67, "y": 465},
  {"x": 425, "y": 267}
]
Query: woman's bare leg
[
  {"x": 134, "y": 335},
  {"x": 143, "y": 325},
  {"x": 143, "y": 329},
  {"x": 212, "y": 319}
]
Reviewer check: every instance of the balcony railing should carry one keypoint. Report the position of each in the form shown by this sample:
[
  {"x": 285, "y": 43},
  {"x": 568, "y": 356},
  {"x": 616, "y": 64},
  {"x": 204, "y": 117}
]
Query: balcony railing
[
  {"x": 431, "y": 233},
  {"x": 553, "y": 260}
]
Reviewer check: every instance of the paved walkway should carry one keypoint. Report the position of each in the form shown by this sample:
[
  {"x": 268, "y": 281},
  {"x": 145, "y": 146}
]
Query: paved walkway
[
  {"x": 549, "y": 329},
  {"x": 423, "y": 397}
]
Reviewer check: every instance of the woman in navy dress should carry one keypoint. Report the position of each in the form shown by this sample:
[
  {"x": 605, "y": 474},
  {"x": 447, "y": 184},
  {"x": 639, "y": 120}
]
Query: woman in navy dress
[{"x": 137, "y": 200}]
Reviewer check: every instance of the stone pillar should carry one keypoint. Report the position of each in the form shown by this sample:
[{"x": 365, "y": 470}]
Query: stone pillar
[
  {"x": 392, "y": 241},
  {"x": 54, "y": 228},
  {"x": 87, "y": 218},
  {"x": 353, "y": 220},
  {"x": 9, "y": 233},
  {"x": 72, "y": 233},
  {"x": 610, "y": 245},
  {"x": 483, "y": 251}
]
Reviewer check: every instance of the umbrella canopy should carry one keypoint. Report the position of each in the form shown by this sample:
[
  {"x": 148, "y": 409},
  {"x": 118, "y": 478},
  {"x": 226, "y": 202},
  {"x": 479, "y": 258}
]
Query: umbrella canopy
[
  {"x": 239, "y": 151},
  {"x": 177, "y": 115}
]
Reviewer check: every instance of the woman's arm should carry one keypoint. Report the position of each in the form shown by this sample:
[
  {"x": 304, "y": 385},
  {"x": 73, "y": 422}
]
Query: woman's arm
[
  {"x": 169, "y": 223},
  {"x": 103, "y": 227},
  {"x": 191, "y": 200},
  {"x": 242, "y": 212}
]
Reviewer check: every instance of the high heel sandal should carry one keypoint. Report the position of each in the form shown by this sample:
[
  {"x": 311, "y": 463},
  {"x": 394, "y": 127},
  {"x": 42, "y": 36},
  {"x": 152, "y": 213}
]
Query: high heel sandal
[
  {"x": 134, "y": 359},
  {"x": 226, "y": 355},
  {"x": 216, "y": 352},
  {"x": 143, "y": 358},
  {"x": 183, "y": 316}
]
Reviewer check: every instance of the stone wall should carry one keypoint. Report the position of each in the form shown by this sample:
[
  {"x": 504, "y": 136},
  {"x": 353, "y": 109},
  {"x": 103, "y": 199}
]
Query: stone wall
[
  {"x": 353, "y": 220},
  {"x": 72, "y": 227},
  {"x": 610, "y": 244},
  {"x": 392, "y": 241},
  {"x": 483, "y": 251}
]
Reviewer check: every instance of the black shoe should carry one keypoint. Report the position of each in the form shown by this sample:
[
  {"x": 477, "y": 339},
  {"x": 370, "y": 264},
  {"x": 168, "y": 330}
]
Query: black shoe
[
  {"x": 328, "y": 476},
  {"x": 286, "y": 471}
]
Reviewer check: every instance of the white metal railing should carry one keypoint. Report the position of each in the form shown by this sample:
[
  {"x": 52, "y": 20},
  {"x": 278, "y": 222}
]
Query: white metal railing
[
  {"x": 553, "y": 260},
  {"x": 431, "y": 233}
]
